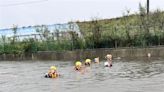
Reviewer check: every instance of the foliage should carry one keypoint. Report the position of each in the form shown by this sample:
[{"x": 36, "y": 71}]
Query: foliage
[{"x": 137, "y": 30}]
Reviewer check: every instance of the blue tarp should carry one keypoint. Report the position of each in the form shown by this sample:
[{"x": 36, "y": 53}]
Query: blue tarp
[{"x": 32, "y": 29}]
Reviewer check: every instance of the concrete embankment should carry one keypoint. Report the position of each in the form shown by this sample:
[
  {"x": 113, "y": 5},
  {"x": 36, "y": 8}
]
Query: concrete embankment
[{"x": 91, "y": 53}]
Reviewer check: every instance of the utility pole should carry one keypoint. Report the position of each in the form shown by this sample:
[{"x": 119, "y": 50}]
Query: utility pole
[
  {"x": 147, "y": 7},
  {"x": 148, "y": 24}
]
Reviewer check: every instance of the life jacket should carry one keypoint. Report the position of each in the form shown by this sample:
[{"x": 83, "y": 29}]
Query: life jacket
[
  {"x": 52, "y": 74},
  {"x": 77, "y": 68}
]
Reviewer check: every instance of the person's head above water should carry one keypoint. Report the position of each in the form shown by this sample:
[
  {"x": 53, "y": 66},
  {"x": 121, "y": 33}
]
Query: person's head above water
[
  {"x": 88, "y": 61},
  {"x": 78, "y": 63},
  {"x": 52, "y": 73},
  {"x": 53, "y": 68},
  {"x": 109, "y": 56},
  {"x": 148, "y": 55}
]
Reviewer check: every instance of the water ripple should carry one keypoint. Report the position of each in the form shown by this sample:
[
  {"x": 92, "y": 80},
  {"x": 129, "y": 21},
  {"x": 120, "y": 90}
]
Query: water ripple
[{"x": 124, "y": 76}]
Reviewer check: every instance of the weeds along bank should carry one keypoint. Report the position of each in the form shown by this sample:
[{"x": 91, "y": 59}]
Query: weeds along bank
[{"x": 138, "y": 30}]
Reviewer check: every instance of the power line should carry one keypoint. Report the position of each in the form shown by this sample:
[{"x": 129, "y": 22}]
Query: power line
[{"x": 23, "y": 3}]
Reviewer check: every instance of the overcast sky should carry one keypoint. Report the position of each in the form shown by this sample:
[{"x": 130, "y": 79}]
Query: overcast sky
[{"x": 37, "y": 12}]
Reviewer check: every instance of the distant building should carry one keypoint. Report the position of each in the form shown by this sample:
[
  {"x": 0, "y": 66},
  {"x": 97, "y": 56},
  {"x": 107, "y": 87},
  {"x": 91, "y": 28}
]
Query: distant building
[{"x": 40, "y": 32}]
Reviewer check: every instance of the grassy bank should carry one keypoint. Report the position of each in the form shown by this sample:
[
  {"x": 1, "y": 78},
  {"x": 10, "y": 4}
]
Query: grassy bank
[{"x": 137, "y": 30}]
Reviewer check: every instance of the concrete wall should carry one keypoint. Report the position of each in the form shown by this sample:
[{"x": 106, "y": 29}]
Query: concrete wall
[{"x": 82, "y": 54}]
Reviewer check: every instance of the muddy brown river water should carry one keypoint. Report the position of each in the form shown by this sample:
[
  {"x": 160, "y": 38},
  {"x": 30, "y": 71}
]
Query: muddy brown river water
[{"x": 124, "y": 76}]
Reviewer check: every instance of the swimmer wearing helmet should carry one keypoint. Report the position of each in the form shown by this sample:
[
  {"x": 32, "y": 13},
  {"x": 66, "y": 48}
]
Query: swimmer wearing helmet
[
  {"x": 78, "y": 66},
  {"x": 109, "y": 60},
  {"x": 88, "y": 62},
  {"x": 52, "y": 73}
]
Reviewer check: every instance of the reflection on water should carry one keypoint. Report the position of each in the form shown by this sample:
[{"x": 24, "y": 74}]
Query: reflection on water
[{"x": 124, "y": 76}]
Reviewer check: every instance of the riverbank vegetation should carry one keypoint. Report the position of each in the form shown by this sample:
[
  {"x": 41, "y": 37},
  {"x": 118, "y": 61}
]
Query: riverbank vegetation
[{"x": 136, "y": 30}]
